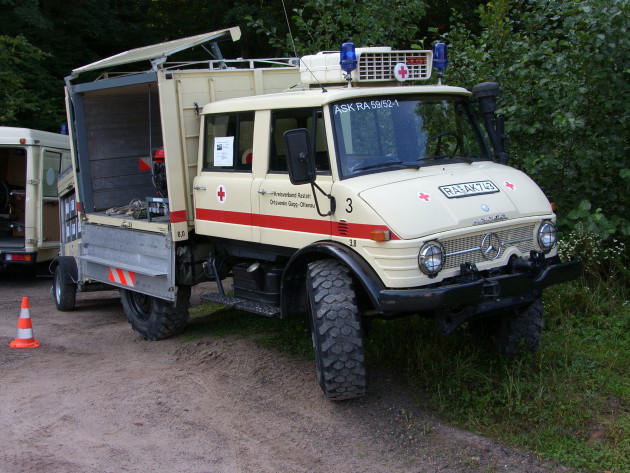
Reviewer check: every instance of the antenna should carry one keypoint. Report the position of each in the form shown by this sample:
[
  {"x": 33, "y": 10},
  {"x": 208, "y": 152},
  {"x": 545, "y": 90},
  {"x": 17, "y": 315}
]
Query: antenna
[
  {"x": 286, "y": 15},
  {"x": 295, "y": 49}
]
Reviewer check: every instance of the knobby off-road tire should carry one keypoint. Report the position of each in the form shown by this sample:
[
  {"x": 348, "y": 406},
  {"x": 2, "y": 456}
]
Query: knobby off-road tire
[
  {"x": 336, "y": 331},
  {"x": 521, "y": 331},
  {"x": 65, "y": 294},
  {"x": 515, "y": 332},
  {"x": 153, "y": 318}
]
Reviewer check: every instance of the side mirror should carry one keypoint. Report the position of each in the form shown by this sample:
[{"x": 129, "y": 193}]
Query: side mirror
[{"x": 297, "y": 145}]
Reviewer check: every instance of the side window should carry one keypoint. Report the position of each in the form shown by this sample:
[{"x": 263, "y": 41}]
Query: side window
[
  {"x": 285, "y": 120},
  {"x": 229, "y": 141},
  {"x": 50, "y": 173}
]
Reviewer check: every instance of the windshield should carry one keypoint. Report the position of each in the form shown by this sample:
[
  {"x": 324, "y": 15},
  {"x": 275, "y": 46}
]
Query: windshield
[{"x": 386, "y": 133}]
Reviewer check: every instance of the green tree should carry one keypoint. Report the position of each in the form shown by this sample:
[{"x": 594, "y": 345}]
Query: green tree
[
  {"x": 46, "y": 39},
  {"x": 320, "y": 25},
  {"x": 563, "y": 68},
  {"x": 172, "y": 19},
  {"x": 23, "y": 100}
]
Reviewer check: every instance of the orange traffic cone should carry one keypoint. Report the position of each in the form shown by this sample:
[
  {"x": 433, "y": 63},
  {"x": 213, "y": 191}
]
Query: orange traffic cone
[{"x": 24, "y": 338}]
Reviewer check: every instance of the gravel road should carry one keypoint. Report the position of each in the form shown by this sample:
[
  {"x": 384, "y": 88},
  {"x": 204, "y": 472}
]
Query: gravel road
[{"x": 95, "y": 398}]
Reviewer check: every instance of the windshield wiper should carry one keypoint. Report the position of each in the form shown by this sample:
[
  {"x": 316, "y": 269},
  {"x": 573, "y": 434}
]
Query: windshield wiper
[
  {"x": 469, "y": 159},
  {"x": 387, "y": 164}
]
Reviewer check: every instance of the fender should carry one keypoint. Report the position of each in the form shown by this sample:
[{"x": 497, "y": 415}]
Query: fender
[
  {"x": 69, "y": 270},
  {"x": 293, "y": 297}
]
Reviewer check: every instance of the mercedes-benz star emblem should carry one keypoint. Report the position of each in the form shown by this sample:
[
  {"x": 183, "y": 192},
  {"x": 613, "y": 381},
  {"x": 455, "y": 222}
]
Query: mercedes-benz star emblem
[
  {"x": 485, "y": 208},
  {"x": 491, "y": 246}
]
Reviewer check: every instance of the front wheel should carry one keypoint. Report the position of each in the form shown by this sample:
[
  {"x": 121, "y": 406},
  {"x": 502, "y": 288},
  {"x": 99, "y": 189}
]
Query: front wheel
[
  {"x": 515, "y": 332},
  {"x": 336, "y": 330},
  {"x": 521, "y": 331},
  {"x": 153, "y": 318}
]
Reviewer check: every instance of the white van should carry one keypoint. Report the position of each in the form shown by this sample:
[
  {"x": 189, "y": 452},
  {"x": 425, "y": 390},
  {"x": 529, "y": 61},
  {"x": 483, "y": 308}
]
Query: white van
[{"x": 31, "y": 162}]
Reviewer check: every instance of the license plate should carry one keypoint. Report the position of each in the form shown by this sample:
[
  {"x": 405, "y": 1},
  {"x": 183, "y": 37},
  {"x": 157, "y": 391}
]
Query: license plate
[{"x": 466, "y": 189}]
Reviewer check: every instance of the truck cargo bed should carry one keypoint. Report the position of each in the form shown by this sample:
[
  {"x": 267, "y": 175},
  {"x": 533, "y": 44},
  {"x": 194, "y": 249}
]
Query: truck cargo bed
[{"x": 129, "y": 259}]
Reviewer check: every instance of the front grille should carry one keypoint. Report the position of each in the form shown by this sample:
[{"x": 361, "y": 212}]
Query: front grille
[
  {"x": 468, "y": 249},
  {"x": 373, "y": 66}
]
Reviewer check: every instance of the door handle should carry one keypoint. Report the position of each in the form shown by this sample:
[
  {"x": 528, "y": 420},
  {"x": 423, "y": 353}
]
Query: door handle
[{"x": 199, "y": 188}]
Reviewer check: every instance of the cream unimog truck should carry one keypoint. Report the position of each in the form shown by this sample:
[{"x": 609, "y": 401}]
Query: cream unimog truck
[
  {"x": 31, "y": 162},
  {"x": 338, "y": 187}
]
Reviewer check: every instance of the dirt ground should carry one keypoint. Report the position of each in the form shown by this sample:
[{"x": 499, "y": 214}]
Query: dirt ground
[{"x": 95, "y": 398}]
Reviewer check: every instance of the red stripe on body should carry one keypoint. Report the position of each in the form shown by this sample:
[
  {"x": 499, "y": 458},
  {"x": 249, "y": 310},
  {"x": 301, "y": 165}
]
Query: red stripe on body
[
  {"x": 306, "y": 225},
  {"x": 224, "y": 216},
  {"x": 178, "y": 216},
  {"x": 295, "y": 224}
]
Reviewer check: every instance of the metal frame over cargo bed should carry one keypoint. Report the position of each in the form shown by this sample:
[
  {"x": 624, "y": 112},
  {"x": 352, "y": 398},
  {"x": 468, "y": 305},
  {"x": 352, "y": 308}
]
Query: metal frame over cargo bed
[{"x": 121, "y": 119}]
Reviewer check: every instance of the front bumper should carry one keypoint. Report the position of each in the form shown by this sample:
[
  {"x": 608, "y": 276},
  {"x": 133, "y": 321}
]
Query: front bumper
[{"x": 487, "y": 293}]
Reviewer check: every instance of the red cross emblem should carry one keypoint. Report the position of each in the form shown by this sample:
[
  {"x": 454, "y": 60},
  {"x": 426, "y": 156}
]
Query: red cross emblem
[
  {"x": 221, "y": 194},
  {"x": 509, "y": 185},
  {"x": 423, "y": 196},
  {"x": 401, "y": 72}
]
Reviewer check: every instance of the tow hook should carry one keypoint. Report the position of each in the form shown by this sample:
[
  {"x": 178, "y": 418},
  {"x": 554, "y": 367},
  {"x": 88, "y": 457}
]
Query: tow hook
[
  {"x": 537, "y": 259},
  {"x": 468, "y": 272},
  {"x": 534, "y": 264},
  {"x": 491, "y": 289}
]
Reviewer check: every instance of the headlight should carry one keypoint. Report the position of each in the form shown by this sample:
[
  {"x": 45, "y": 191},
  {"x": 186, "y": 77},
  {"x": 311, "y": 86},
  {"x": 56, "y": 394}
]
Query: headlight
[
  {"x": 547, "y": 236},
  {"x": 431, "y": 258}
]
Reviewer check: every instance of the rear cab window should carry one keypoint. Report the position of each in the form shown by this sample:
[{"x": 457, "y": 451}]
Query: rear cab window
[{"x": 229, "y": 142}]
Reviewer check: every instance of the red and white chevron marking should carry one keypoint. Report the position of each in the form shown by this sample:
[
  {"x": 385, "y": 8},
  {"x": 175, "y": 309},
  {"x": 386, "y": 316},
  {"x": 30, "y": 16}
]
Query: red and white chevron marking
[{"x": 120, "y": 276}]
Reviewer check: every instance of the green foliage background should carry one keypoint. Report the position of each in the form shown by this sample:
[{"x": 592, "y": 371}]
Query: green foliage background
[{"x": 563, "y": 67}]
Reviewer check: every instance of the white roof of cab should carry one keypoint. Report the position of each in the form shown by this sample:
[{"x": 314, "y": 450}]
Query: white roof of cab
[
  {"x": 11, "y": 136},
  {"x": 161, "y": 50},
  {"x": 317, "y": 98}
]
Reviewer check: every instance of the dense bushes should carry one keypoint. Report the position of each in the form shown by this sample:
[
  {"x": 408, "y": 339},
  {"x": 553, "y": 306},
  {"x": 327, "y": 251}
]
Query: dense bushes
[{"x": 563, "y": 67}]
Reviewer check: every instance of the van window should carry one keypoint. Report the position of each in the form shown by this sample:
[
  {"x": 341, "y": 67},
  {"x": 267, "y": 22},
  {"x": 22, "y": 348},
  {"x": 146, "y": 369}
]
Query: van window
[
  {"x": 313, "y": 121},
  {"x": 50, "y": 173},
  {"x": 229, "y": 142}
]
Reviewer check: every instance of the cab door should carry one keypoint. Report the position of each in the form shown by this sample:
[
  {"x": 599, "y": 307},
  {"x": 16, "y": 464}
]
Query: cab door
[
  {"x": 287, "y": 213},
  {"x": 222, "y": 190}
]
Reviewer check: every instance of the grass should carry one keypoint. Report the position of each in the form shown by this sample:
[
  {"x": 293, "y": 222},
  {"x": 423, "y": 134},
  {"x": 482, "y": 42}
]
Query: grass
[{"x": 569, "y": 401}]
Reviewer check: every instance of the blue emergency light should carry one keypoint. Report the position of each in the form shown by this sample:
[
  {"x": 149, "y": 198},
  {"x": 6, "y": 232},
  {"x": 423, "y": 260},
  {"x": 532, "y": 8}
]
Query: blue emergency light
[
  {"x": 440, "y": 61},
  {"x": 348, "y": 57}
]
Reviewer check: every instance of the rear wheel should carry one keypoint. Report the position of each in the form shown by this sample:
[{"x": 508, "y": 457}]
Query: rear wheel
[
  {"x": 336, "y": 330},
  {"x": 153, "y": 318},
  {"x": 65, "y": 293}
]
